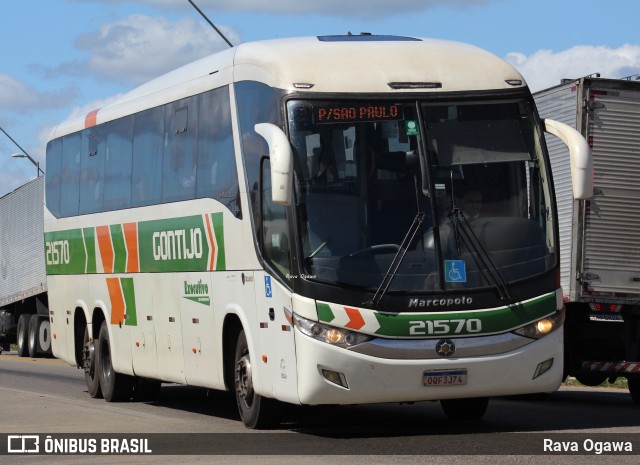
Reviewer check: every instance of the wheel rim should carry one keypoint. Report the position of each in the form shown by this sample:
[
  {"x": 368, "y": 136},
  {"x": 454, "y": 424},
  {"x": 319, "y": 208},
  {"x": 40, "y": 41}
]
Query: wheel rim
[
  {"x": 89, "y": 358},
  {"x": 105, "y": 358},
  {"x": 244, "y": 382}
]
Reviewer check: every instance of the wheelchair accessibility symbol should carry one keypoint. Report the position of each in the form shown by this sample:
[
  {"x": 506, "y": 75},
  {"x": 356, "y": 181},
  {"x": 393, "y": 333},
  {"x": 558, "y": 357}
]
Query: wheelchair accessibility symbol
[{"x": 455, "y": 271}]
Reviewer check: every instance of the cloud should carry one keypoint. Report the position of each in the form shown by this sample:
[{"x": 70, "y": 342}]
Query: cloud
[
  {"x": 545, "y": 68},
  {"x": 370, "y": 9},
  {"x": 18, "y": 97},
  {"x": 135, "y": 49}
]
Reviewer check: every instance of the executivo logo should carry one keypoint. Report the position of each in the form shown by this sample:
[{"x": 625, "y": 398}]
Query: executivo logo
[{"x": 197, "y": 292}]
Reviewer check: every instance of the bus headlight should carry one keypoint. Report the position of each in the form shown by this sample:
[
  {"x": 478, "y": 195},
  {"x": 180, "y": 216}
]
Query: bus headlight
[
  {"x": 329, "y": 334},
  {"x": 542, "y": 327}
]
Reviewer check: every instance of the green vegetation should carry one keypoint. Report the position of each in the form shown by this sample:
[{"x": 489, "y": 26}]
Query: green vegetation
[{"x": 620, "y": 383}]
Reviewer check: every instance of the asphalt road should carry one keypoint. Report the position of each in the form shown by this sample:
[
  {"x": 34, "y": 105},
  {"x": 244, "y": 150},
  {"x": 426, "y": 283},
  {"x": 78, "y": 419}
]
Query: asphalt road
[{"x": 48, "y": 397}]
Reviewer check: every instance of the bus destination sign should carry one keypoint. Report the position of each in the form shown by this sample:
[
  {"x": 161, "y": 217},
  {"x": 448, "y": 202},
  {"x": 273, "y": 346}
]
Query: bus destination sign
[{"x": 357, "y": 113}]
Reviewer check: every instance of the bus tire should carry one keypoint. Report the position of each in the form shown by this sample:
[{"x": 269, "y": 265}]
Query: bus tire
[
  {"x": 44, "y": 336},
  {"x": 32, "y": 340},
  {"x": 22, "y": 333},
  {"x": 115, "y": 387},
  {"x": 634, "y": 388},
  {"x": 90, "y": 366},
  {"x": 465, "y": 409},
  {"x": 256, "y": 412}
]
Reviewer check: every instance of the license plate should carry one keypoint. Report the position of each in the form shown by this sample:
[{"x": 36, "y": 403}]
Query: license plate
[
  {"x": 614, "y": 317},
  {"x": 435, "y": 378}
]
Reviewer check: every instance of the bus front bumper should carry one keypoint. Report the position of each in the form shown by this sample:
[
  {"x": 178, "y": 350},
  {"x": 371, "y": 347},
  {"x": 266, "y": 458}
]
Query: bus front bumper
[{"x": 332, "y": 375}]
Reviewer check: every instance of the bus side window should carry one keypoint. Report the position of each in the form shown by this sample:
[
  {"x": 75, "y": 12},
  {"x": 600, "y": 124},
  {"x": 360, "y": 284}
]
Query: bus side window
[
  {"x": 91, "y": 171},
  {"x": 52, "y": 179},
  {"x": 148, "y": 146},
  {"x": 117, "y": 167},
  {"x": 70, "y": 178},
  {"x": 179, "y": 160},
  {"x": 217, "y": 176},
  {"x": 275, "y": 232}
]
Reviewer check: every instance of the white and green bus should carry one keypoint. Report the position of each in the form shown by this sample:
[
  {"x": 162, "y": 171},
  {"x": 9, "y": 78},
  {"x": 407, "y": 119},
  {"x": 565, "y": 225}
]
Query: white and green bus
[{"x": 293, "y": 220}]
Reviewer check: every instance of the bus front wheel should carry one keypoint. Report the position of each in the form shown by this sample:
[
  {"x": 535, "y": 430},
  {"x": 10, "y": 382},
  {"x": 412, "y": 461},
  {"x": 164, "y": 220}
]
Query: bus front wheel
[
  {"x": 115, "y": 387},
  {"x": 256, "y": 412}
]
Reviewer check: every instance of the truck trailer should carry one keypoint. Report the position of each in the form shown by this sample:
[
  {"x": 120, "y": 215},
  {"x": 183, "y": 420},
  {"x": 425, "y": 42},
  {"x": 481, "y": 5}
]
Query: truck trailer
[
  {"x": 600, "y": 238},
  {"x": 24, "y": 314}
]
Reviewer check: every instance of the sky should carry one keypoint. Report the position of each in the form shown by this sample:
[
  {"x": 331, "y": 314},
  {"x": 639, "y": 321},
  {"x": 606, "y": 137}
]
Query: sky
[{"x": 63, "y": 58}]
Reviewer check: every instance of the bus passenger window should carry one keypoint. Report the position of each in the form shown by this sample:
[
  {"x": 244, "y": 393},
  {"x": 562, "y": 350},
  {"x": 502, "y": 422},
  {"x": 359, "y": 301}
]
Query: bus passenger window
[
  {"x": 217, "y": 177},
  {"x": 70, "y": 189},
  {"x": 179, "y": 170},
  {"x": 146, "y": 188}
]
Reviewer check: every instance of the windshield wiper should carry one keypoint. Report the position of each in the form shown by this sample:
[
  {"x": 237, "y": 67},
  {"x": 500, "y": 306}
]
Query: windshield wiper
[
  {"x": 397, "y": 260},
  {"x": 464, "y": 233}
]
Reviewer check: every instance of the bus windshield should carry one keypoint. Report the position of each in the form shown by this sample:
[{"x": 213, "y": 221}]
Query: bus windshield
[{"x": 472, "y": 172}]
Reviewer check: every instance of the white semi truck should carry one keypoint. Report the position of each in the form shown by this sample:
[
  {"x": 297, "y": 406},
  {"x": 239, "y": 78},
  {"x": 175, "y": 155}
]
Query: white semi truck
[
  {"x": 24, "y": 314},
  {"x": 600, "y": 238}
]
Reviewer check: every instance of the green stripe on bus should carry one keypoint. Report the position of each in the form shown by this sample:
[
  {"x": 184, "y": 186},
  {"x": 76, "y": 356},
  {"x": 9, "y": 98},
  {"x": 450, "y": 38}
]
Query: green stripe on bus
[
  {"x": 491, "y": 321},
  {"x": 64, "y": 252},
  {"x": 177, "y": 244},
  {"x": 165, "y": 245},
  {"x": 447, "y": 324},
  {"x": 324, "y": 312},
  {"x": 218, "y": 231},
  {"x": 89, "y": 235},
  {"x": 129, "y": 294},
  {"x": 119, "y": 248}
]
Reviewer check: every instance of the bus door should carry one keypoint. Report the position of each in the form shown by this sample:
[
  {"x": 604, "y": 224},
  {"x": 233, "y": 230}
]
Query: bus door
[{"x": 276, "y": 354}]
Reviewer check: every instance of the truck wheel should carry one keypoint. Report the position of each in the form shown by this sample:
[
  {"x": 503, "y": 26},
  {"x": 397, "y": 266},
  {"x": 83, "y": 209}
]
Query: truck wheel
[
  {"x": 115, "y": 387},
  {"x": 90, "y": 365},
  {"x": 256, "y": 412},
  {"x": 32, "y": 340},
  {"x": 634, "y": 388},
  {"x": 22, "y": 333},
  {"x": 465, "y": 409},
  {"x": 44, "y": 336}
]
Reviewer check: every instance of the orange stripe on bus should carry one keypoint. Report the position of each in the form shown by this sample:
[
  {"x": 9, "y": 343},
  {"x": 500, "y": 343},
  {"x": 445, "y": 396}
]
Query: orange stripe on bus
[
  {"x": 213, "y": 243},
  {"x": 106, "y": 249},
  {"x": 91, "y": 119},
  {"x": 117, "y": 301},
  {"x": 131, "y": 238}
]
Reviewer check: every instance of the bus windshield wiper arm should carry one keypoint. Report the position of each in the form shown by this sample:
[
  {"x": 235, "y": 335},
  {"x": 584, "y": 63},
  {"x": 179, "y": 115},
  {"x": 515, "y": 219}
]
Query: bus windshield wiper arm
[
  {"x": 464, "y": 231},
  {"x": 397, "y": 260}
]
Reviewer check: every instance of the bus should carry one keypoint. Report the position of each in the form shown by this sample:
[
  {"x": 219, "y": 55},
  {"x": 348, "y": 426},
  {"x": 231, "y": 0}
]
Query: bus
[{"x": 291, "y": 220}]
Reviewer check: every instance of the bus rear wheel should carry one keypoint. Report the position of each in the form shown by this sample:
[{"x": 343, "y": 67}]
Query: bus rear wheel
[
  {"x": 256, "y": 412},
  {"x": 115, "y": 387},
  {"x": 90, "y": 365},
  {"x": 465, "y": 409}
]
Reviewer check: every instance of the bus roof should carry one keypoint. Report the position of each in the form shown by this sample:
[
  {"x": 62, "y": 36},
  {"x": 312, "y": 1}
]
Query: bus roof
[{"x": 336, "y": 64}]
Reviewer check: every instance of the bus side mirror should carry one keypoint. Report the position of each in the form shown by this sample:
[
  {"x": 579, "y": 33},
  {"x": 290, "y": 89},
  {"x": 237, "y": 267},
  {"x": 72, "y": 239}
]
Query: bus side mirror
[
  {"x": 581, "y": 158},
  {"x": 281, "y": 157}
]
